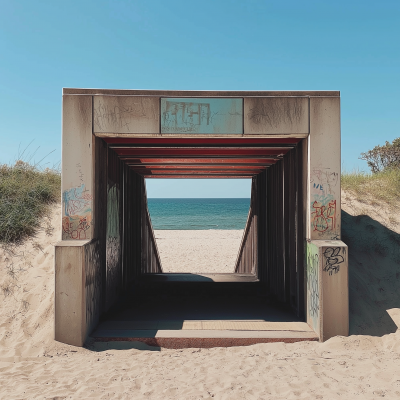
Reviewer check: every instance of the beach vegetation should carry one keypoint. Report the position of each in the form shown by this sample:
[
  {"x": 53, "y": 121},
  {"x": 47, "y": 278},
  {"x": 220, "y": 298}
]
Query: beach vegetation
[{"x": 26, "y": 192}]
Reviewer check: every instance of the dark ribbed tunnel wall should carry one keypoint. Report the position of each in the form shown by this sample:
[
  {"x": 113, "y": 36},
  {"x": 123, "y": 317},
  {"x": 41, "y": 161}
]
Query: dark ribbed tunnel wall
[
  {"x": 274, "y": 231},
  {"x": 127, "y": 246}
]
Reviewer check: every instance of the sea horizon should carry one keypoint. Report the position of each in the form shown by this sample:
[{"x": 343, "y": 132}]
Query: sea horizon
[{"x": 175, "y": 213}]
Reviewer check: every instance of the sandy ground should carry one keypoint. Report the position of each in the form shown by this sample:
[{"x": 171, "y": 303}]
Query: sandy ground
[
  {"x": 365, "y": 365},
  {"x": 199, "y": 251}
]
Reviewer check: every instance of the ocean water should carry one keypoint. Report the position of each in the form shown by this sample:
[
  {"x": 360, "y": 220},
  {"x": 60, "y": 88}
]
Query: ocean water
[{"x": 198, "y": 214}]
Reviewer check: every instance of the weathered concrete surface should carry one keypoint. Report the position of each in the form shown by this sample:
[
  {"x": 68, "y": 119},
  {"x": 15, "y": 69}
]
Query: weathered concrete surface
[
  {"x": 327, "y": 288},
  {"x": 276, "y": 115},
  {"x": 324, "y": 168},
  {"x": 77, "y": 290},
  {"x": 126, "y": 114},
  {"x": 77, "y": 177},
  {"x": 202, "y": 116},
  {"x": 314, "y": 116}
]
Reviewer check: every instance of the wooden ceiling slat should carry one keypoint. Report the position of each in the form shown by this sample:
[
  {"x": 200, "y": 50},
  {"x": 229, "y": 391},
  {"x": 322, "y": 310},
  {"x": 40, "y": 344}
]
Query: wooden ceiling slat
[
  {"x": 197, "y": 161},
  {"x": 243, "y": 141},
  {"x": 196, "y": 167},
  {"x": 207, "y": 152},
  {"x": 219, "y": 176}
]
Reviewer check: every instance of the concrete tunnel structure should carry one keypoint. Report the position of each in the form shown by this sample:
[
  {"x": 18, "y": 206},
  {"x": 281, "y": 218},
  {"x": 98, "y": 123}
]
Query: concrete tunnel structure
[{"x": 286, "y": 142}]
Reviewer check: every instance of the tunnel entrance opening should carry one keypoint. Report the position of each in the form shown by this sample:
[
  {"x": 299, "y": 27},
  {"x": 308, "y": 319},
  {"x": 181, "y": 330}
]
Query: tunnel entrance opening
[
  {"x": 108, "y": 267},
  {"x": 261, "y": 297},
  {"x": 198, "y": 235}
]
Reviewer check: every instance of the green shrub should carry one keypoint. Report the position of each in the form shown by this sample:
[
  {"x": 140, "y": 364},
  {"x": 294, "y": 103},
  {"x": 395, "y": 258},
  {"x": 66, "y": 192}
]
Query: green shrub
[
  {"x": 382, "y": 158},
  {"x": 25, "y": 194}
]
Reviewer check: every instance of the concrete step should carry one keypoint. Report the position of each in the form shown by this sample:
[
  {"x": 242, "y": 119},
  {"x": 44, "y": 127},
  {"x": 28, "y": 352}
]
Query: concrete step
[
  {"x": 203, "y": 334},
  {"x": 175, "y": 339}
]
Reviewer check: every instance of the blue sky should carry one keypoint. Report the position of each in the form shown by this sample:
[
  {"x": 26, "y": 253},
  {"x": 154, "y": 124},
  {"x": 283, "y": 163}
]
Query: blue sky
[{"x": 351, "y": 46}]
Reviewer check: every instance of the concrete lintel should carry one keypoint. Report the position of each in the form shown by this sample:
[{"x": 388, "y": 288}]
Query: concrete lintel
[{"x": 204, "y": 93}]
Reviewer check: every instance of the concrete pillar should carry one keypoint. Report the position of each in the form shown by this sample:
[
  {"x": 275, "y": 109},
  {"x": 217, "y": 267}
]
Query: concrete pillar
[
  {"x": 326, "y": 255},
  {"x": 77, "y": 181},
  {"x": 323, "y": 216},
  {"x": 78, "y": 282},
  {"x": 327, "y": 288}
]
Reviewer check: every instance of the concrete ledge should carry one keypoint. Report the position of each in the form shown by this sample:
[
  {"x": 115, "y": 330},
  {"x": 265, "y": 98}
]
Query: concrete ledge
[
  {"x": 204, "y": 93},
  {"x": 172, "y": 339}
]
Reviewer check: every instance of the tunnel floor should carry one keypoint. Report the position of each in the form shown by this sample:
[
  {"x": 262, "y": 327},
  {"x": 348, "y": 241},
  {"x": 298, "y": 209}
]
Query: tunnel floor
[{"x": 200, "y": 310}]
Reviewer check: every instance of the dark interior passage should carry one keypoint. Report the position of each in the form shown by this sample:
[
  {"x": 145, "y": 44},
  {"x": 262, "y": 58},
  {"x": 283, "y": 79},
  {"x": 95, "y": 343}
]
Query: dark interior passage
[
  {"x": 262, "y": 296},
  {"x": 223, "y": 306}
]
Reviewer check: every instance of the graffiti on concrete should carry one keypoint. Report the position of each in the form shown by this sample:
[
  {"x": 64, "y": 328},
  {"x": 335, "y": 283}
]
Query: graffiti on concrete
[
  {"x": 323, "y": 213},
  {"x": 275, "y": 111},
  {"x": 333, "y": 259},
  {"x": 324, "y": 188},
  {"x": 202, "y": 116},
  {"x": 113, "y": 245},
  {"x": 93, "y": 284},
  {"x": 76, "y": 227},
  {"x": 77, "y": 217},
  {"x": 324, "y": 181},
  {"x": 76, "y": 201},
  {"x": 313, "y": 284},
  {"x": 123, "y": 113}
]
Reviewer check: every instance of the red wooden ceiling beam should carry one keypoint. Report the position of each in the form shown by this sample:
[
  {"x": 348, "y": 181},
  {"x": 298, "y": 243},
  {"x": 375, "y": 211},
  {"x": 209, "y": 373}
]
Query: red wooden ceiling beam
[
  {"x": 200, "y": 152},
  {"x": 195, "y": 167},
  {"x": 222, "y": 176},
  {"x": 195, "y": 173},
  {"x": 200, "y": 141},
  {"x": 196, "y": 161}
]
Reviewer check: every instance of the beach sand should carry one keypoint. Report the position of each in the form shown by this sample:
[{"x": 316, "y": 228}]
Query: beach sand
[
  {"x": 195, "y": 251},
  {"x": 365, "y": 365}
]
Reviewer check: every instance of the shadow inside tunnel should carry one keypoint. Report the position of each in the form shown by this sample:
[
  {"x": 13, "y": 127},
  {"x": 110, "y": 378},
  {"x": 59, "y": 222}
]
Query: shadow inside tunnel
[
  {"x": 374, "y": 274},
  {"x": 100, "y": 346}
]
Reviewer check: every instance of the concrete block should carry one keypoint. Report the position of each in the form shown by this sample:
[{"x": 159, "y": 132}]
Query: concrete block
[
  {"x": 276, "y": 115},
  {"x": 77, "y": 290},
  {"x": 126, "y": 114},
  {"x": 327, "y": 288}
]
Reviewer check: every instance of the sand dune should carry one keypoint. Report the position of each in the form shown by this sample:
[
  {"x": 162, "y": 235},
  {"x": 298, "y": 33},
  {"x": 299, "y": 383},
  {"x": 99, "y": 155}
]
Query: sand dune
[{"x": 365, "y": 365}]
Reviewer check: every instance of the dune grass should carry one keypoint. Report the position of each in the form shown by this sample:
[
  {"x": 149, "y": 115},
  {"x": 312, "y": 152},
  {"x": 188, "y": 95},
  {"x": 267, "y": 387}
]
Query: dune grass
[
  {"x": 374, "y": 188},
  {"x": 26, "y": 192}
]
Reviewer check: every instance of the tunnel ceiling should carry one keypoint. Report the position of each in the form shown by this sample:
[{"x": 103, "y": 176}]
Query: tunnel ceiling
[{"x": 164, "y": 157}]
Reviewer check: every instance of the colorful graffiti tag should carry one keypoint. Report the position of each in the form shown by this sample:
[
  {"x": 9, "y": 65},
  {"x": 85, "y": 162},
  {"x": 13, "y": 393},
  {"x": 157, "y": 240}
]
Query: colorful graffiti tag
[
  {"x": 333, "y": 259},
  {"x": 323, "y": 214},
  {"x": 324, "y": 185},
  {"x": 312, "y": 285},
  {"x": 202, "y": 115},
  {"x": 77, "y": 219}
]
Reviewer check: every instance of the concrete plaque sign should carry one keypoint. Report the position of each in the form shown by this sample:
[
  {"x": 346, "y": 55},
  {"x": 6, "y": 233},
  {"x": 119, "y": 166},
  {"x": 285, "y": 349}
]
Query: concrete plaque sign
[{"x": 202, "y": 115}]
